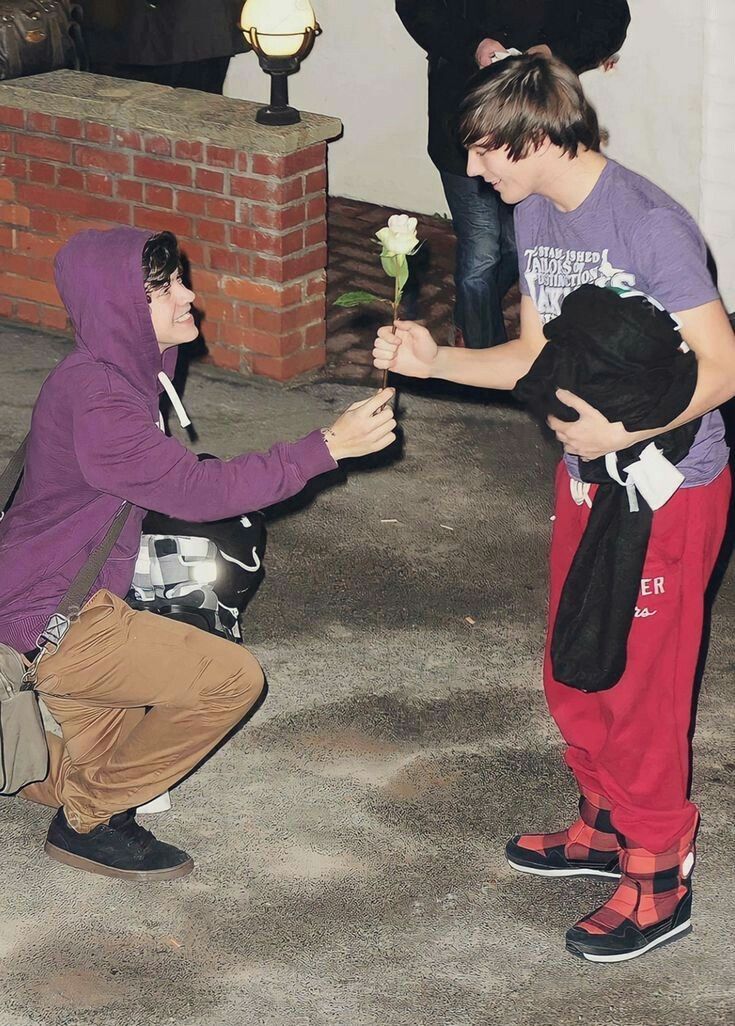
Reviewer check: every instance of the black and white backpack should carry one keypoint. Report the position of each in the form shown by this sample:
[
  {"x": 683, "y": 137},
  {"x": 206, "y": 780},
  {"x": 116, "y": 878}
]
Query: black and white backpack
[{"x": 201, "y": 574}]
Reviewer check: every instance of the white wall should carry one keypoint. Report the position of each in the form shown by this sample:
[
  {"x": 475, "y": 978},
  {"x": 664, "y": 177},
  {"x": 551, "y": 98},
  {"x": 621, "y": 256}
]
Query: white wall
[
  {"x": 717, "y": 201},
  {"x": 652, "y": 102},
  {"x": 366, "y": 70},
  {"x": 669, "y": 107}
]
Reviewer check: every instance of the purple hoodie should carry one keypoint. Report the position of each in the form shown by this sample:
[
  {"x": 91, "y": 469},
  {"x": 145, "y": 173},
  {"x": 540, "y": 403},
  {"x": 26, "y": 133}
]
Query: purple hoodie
[{"x": 95, "y": 442}]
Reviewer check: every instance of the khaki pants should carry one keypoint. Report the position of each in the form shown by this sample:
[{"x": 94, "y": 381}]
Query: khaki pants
[{"x": 113, "y": 665}]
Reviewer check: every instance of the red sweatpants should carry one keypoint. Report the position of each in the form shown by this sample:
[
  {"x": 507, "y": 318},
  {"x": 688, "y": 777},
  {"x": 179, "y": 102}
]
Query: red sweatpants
[{"x": 631, "y": 743}]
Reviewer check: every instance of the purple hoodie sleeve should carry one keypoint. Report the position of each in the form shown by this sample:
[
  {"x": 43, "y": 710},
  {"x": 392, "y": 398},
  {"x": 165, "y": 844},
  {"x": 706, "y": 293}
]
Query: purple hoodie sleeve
[{"x": 123, "y": 453}]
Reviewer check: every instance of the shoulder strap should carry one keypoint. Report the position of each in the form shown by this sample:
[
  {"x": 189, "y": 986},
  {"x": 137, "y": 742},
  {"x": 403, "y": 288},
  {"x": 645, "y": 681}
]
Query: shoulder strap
[
  {"x": 82, "y": 583},
  {"x": 59, "y": 622},
  {"x": 11, "y": 475}
]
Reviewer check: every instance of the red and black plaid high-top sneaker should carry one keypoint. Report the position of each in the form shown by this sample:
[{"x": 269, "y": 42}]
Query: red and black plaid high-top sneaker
[
  {"x": 589, "y": 847},
  {"x": 651, "y": 906}
]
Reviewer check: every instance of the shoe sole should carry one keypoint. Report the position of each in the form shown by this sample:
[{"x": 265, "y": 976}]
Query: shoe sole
[
  {"x": 88, "y": 866},
  {"x": 679, "y": 931},
  {"x": 536, "y": 871}
]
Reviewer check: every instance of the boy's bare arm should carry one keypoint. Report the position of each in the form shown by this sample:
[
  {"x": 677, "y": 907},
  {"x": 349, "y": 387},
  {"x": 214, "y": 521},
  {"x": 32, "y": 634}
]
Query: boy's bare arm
[
  {"x": 412, "y": 351},
  {"x": 707, "y": 331}
]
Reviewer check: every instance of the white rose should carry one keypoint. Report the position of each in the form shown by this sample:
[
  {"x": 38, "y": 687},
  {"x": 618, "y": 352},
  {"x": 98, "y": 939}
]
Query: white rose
[{"x": 399, "y": 238}]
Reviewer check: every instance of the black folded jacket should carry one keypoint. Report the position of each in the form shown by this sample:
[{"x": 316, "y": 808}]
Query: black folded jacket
[{"x": 623, "y": 355}]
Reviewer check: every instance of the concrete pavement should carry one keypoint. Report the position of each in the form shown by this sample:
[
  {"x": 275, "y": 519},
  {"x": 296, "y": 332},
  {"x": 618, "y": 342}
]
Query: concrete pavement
[{"x": 349, "y": 838}]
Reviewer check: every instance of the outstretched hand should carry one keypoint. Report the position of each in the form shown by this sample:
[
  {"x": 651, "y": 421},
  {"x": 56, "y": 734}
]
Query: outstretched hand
[
  {"x": 593, "y": 435},
  {"x": 366, "y": 426}
]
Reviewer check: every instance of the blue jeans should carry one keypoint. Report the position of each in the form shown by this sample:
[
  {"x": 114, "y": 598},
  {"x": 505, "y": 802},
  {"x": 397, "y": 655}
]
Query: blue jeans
[{"x": 487, "y": 263}]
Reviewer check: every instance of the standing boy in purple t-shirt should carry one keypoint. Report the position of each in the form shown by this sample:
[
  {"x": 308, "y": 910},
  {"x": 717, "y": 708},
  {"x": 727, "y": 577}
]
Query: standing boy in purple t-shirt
[{"x": 582, "y": 218}]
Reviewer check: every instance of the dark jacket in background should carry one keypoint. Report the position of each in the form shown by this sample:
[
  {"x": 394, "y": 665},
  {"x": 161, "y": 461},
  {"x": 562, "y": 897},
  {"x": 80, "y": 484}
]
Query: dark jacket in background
[
  {"x": 583, "y": 33},
  {"x": 622, "y": 356},
  {"x": 160, "y": 32}
]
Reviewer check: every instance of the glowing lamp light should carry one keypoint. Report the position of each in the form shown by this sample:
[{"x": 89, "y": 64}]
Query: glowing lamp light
[
  {"x": 282, "y": 32},
  {"x": 277, "y": 27}
]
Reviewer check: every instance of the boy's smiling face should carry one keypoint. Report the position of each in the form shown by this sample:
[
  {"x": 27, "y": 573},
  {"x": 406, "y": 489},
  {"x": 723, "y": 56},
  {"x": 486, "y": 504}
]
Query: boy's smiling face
[
  {"x": 514, "y": 180},
  {"x": 170, "y": 308}
]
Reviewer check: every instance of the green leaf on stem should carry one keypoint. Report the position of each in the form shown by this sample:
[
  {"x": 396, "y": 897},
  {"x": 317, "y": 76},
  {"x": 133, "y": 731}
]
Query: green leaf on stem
[
  {"x": 350, "y": 299},
  {"x": 389, "y": 265},
  {"x": 396, "y": 266},
  {"x": 402, "y": 276}
]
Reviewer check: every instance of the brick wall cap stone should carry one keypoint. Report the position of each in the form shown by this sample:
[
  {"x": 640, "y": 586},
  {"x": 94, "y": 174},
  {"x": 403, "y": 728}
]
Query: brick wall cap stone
[{"x": 177, "y": 113}]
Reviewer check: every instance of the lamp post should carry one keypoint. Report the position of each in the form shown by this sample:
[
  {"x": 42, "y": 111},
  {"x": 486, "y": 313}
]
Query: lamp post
[{"x": 282, "y": 32}]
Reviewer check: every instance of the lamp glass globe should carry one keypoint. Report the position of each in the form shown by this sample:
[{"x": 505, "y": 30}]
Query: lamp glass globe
[{"x": 279, "y": 24}]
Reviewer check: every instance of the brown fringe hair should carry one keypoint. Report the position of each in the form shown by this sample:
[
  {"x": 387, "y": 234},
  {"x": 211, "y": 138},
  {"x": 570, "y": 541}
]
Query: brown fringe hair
[
  {"x": 520, "y": 101},
  {"x": 161, "y": 259}
]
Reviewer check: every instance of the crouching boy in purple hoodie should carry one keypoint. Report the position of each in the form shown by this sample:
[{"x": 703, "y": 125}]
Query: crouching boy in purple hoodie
[{"x": 95, "y": 444}]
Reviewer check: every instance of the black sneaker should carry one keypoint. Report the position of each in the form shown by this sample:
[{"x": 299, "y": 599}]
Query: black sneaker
[{"x": 121, "y": 848}]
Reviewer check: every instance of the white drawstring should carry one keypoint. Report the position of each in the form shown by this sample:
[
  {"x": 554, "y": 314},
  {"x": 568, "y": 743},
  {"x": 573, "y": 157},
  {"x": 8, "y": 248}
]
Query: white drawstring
[
  {"x": 632, "y": 496},
  {"x": 255, "y": 564},
  {"x": 580, "y": 492},
  {"x": 611, "y": 466},
  {"x": 175, "y": 401}
]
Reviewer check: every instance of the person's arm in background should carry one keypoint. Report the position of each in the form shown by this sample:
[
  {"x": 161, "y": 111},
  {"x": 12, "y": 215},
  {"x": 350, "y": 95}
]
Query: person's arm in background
[
  {"x": 439, "y": 27},
  {"x": 597, "y": 32}
]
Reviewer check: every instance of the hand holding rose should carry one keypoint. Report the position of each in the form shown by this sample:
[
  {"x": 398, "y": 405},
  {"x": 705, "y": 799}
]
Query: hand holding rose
[
  {"x": 366, "y": 426},
  {"x": 407, "y": 348}
]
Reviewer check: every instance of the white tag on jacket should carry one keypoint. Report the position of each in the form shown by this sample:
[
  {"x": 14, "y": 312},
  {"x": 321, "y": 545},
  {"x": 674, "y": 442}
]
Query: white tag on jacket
[{"x": 655, "y": 477}]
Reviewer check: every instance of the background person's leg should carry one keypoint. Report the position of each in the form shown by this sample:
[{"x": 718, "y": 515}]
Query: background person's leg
[
  {"x": 508, "y": 267},
  {"x": 113, "y": 664},
  {"x": 486, "y": 265}
]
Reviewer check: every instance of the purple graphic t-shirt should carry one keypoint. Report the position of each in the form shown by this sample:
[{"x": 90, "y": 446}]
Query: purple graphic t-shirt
[{"x": 627, "y": 234}]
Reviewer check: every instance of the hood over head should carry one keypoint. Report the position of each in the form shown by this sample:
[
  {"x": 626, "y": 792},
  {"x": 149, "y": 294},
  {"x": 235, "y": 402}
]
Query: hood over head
[{"x": 99, "y": 275}]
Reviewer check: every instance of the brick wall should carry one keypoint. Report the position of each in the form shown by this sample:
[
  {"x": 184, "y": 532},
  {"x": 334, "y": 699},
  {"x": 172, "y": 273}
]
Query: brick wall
[{"x": 252, "y": 224}]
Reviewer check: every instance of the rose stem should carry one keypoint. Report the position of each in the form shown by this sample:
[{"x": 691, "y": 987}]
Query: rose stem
[{"x": 396, "y": 303}]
